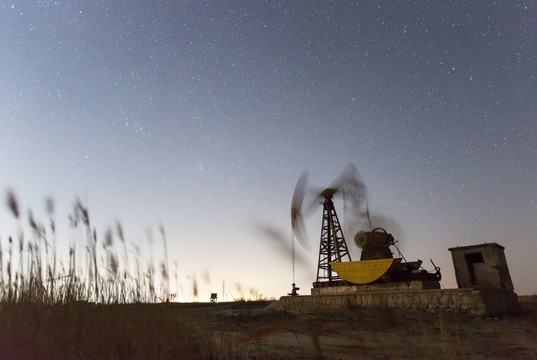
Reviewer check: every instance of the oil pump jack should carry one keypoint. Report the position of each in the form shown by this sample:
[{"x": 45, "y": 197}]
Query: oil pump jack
[{"x": 335, "y": 266}]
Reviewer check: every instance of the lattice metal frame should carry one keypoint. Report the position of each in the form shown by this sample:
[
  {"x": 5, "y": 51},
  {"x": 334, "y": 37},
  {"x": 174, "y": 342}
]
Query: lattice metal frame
[{"x": 333, "y": 246}]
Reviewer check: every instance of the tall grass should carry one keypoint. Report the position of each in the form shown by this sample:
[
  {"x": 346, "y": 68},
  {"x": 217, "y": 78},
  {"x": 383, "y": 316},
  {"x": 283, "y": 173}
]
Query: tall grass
[
  {"x": 96, "y": 301},
  {"x": 96, "y": 269}
]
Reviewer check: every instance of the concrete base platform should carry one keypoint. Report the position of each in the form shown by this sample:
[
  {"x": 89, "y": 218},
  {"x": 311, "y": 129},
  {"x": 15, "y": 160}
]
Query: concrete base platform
[
  {"x": 481, "y": 302},
  {"x": 390, "y": 286}
]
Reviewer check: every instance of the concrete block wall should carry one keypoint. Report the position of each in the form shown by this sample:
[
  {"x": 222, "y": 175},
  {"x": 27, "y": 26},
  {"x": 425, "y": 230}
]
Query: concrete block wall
[
  {"x": 477, "y": 302},
  {"x": 392, "y": 286}
]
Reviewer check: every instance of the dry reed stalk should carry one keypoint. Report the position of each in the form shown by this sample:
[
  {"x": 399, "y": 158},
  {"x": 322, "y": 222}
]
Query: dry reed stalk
[
  {"x": 165, "y": 265},
  {"x": 13, "y": 204},
  {"x": 39, "y": 278},
  {"x": 9, "y": 269},
  {"x": 2, "y": 284}
]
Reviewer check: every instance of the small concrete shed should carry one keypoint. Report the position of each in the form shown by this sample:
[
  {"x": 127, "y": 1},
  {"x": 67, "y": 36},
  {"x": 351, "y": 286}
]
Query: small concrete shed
[{"x": 481, "y": 266}]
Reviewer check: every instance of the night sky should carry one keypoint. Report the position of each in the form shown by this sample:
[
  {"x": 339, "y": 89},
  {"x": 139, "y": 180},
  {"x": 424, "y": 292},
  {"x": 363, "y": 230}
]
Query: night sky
[{"x": 201, "y": 116}]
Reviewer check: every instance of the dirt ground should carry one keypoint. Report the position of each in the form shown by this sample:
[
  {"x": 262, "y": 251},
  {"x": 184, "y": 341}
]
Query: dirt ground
[
  {"x": 347, "y": 333},
  {"x": 259, "y": 330}
]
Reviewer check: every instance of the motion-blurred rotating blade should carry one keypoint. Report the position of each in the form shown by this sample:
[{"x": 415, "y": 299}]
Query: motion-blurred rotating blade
[
  {"x": 297, "y": 218},
  {"x": 282, "y": 242},
  {"x": 353, "y": 191}
]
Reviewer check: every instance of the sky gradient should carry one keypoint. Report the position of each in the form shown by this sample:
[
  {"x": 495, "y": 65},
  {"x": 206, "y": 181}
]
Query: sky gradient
[{"x": 201, "y": 116}]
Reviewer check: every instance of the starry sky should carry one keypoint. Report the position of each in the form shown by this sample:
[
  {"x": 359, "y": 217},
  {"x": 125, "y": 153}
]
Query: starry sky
[{"x": 201, "y": 116}]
